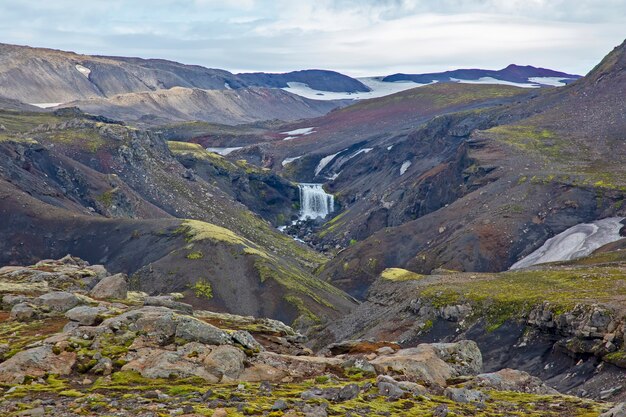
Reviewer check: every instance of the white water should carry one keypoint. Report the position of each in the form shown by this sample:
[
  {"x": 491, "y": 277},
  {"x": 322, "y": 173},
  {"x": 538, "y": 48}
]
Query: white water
[
  {"x": 576, "y": 242},
  {"x": 315, "y": 202}
]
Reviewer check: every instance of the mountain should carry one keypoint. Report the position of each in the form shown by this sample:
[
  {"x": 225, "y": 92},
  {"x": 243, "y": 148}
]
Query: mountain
[
  {"x": 511, "y": 74},
  {"x": 217, "y": 106},
  {"x": 39, "y": 75},
  {"x": 322, "y": 80}
]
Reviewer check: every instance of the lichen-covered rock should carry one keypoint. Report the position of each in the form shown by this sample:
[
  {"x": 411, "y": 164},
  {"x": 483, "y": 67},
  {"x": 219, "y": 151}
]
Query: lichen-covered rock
[
  {"x": 463, "y": 356},
  {"x": 299, "y": 366},
  {"x": 511, "y": 380},
  {"x": 259, "y": 372},
  {"x": 246, "y": 340},
  {"x": 114, "y": 286},
  {"x": 194, "y": 330},
  {"x": 36, "y": 362},
  {"x": 85, "y": 315},
  {"x": 420, "y": 364},
  {"x": 158, "y": 363},
  {"x": 169, "y": 302},
  {"x": 23, "y": 312},
  {"x": 464, "y": 395},
  {"x": 59, "y": 301},
  {"x": 225, "y": 362}
]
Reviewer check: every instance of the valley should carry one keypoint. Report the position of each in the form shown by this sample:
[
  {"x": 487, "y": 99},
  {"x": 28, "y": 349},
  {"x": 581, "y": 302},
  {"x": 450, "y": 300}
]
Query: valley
[{"x": 180, "y": 240}]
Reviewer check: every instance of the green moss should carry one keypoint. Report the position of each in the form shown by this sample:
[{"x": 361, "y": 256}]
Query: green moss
[
  {"x": 202, "y": 289},
  {"x": 195, "y": 255},
  {"x": 399, "y": 274}
]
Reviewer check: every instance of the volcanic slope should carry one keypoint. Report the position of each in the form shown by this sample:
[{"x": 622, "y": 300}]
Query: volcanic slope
[
  {"x": 72, "y": 183},
  {"x": 511, "y": 177}
]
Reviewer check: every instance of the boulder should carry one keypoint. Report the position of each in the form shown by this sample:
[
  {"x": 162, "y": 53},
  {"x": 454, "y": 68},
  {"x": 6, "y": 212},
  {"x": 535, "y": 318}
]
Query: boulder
[
  {"x": 389, "y": 387},
  {"x": 158, "y": 363},
  {"x": 417, "y": 365},
  {"x": 59, "y": 301},
  {"x": 169, "y": 302},
  {"x": 23, "y": 312},
  {"x": 10, "y": 300},
  {"x": 36, "y": 362},
  {"x": 86, "y": 316},
  {"x": 194, "y": 330},
  {"x": 225, "y": 362},
  {"x": 260, "y": 372},
  {"x": 246, "y": 340},
  {"x": 464, "y": 395},
  {"x": 114, "y": 286},
  {"x": 464, "y": 356},
  {"x": 511, "y": 380},
  {"x": 299, "y": 366}
]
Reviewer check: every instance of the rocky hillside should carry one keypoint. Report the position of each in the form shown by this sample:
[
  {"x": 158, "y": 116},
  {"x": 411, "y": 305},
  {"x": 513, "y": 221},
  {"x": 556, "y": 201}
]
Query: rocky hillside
[
  {"x": 71, "y": 183},
  {"x": 217, "y": 106},
  {"x": 78, "y": 342},
  {"x": 550, "y": 321},
  {"x": 478, "y": 190}
]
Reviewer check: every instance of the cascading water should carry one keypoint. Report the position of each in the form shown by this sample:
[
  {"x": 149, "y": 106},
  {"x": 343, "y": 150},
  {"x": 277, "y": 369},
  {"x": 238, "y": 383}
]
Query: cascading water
[{"x": 315, "y": 202}]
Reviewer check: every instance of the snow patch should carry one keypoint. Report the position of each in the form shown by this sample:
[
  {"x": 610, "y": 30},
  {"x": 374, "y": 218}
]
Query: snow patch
[
  {"x": 294, "y": 134},
  {"x": 404, "y": 167},
  {"x": 390, "y": 147},
  {"x": 83, "y": 70},
  {"x": 45, "y": 105},
  {"x": 325, "y": 161},
  {"x": 224, "y": 151},
  {"x": 576, "y": 242},
  {"x": 290, "y": 160},
  {"x": 301, "y": 131},
  {"x": 378, "y": 88},
  {"x": 553, "y": 81},
  {"x": 491, "y": 80}
]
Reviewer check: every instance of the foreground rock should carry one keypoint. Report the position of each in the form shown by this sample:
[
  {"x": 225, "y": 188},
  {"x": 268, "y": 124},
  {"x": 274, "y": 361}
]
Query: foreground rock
[{"x": 113, "y": 287}]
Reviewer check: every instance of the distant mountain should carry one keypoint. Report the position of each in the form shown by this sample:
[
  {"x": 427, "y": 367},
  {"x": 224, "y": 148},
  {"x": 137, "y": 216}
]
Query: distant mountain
[
  {"x": 40, "y": 75},
  {"x": 316, "y": 79},
  {"x": 513, "y": 74}
]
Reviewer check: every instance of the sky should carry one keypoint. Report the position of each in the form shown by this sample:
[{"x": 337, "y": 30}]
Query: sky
[{"x": 356, "y": 37}]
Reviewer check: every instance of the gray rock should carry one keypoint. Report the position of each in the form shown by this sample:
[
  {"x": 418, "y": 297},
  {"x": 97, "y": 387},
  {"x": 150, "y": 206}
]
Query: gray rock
[
  {"x": 85, "y": 315},
  {"x": 618, "y": 411},
  {"x": 389, "y": 387},
  {"x": 464, "y": 395},
  {"x": 194, "y": 330},
  {"x": 225, "y": 362},
  {"x": 167, "y": 301},
  {"x": 33, "y": 412},
  {"x": 361, "y": 364},
  {"x": 59, "y": 301},
  {"x": 23, "y": 312},
  {"x": 10, "y": 300},
  {"x": 347, "y": 393},
  {"x": 314, "y": 411},
  {"x": 246, "y": 340},
  {"x": 115, "y": 286},
  {"x": 279, "y": 405},
  {"x": 441, "y": 411},
  {"x": 36, "y": 362}
]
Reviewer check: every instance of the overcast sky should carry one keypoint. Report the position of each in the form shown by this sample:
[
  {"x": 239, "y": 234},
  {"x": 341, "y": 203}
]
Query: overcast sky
[{"x": 357, "y": 37}]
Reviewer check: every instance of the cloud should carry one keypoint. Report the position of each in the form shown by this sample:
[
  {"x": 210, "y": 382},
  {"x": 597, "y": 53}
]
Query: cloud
[{"x": 360, "y": 37}]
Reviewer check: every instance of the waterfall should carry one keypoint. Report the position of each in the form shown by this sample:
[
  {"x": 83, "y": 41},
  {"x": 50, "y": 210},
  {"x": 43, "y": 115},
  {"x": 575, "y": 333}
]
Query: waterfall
[{"x": 315, "y": 202}]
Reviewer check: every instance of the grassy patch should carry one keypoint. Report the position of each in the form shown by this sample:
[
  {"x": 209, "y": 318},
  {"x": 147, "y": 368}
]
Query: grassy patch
[{"x": 399, "y": 274}]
